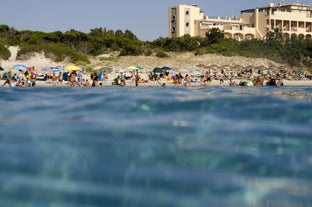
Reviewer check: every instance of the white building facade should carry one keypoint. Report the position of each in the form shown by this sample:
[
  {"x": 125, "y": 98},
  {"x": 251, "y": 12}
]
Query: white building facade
[{"x": 294, "y": 20}]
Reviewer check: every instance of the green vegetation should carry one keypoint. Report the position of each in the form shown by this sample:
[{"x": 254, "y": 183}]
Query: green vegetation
[
  {"x": 79, "y": 46},
  {"x": 4, "y": 52},
  {"x": 294, "y": 52},
  {"x": 161, "y": 54},
  {"x": 57, "y": 52}
]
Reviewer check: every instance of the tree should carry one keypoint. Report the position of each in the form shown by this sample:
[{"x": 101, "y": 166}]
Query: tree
[
  {"x": 97, "y": 32},
  {"x": 119, "y": 33},
  {"x": 128, "y": 34},
  {"x": 75, "y": 36},
  {"x": 214, "y": 35},
  {"x": 54, "y": 37},
  {"x": 9, "y": 34},
  {"x": 130, "y": 50}
]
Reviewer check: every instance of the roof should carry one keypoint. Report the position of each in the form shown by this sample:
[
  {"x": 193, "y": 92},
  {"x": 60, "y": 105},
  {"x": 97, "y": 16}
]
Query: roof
[{"x": 298, "y": 5}]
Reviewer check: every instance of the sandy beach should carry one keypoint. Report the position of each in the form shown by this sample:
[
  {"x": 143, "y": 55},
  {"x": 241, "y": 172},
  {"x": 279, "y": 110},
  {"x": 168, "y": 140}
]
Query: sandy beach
[{"x": 219, "y": 66}]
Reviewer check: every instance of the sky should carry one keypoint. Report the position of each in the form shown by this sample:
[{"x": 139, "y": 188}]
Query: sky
[{"x": 147, "y": 19}]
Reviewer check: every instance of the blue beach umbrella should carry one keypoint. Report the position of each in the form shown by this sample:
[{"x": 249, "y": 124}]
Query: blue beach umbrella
[
  {"x": 56, "y": 69},
  {"x": 184, "y": 71},
  {"x": 166, "y": 68},
  {"x": 196, "y": 73},
  {"x": 20, "y": 67},
  {"x": 53, "y": 69}
]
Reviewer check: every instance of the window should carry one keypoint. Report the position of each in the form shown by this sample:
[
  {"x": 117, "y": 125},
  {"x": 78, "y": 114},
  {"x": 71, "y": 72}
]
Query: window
[
  {"x": 187, "y": 13},
  {"x": 187, "y": 24}
]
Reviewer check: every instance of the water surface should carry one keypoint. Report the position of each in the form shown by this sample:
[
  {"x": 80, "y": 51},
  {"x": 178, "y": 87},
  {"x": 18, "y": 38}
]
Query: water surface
[{"x": 154, "y": 146}]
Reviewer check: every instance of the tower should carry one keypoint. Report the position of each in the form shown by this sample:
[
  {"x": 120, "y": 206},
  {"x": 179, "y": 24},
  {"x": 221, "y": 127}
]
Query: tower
[{"x": 181, "y": 20}]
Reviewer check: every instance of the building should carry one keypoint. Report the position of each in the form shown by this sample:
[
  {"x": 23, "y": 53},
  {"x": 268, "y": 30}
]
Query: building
[{"x": 294, "y": 20}]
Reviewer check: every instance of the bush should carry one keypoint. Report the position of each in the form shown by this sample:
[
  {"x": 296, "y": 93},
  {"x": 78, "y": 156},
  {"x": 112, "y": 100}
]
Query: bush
[
  {"x": 149, "y": 52},
  {"x": 130, "y": 50},
  {"x": 201, "y": 51},
  {"x": 5, "y": 53},
  {"x": 56, "y": 52},
  {"x": 77, "y": 45},
  {"x": 162, "y": 54}
]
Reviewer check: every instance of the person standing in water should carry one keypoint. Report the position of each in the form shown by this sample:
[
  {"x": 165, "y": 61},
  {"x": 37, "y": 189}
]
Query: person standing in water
[{"x": 137, "y": 78}]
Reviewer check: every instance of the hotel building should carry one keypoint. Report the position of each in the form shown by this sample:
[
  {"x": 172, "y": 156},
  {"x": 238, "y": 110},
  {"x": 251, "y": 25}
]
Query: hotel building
[{"x": 294, "y": 20}]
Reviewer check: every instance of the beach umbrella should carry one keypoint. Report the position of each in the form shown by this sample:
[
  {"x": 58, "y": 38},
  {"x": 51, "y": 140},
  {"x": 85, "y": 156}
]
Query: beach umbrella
[
  {"x": 260, "y": 68},
  {"x": 165, "y": 68},
  {"x": 225, "y": 67},
  {"x": 126, "y": 71},
  {"x": 196, "y": 73},
  {"x": 72, "y": 68},
  {"x": 139, "y": 67},
  {"x": 237, "y": 67},
  {"x": 97, "y": 67},
  {"x": 20, "y": 67},
  {"x": 104, "y": 69},
  {"x": 272, "y": 68},
  {"x": 248, "y": 67},
  {"x": 135, "y": 67},
  {"x": 184, "y": 71},
  {"x": 132, "y": 67},
  {"x": 52, "y": 69},
  {"x": 57, "y": 70},
  {"x": 213, "y": 67},
  {"x": 45, "y": 69},
  {"x": 157, "y": 70},
  {"x": 202, "y": 66}
]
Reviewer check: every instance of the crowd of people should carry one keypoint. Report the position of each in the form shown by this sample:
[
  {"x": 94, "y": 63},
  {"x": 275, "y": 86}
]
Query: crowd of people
[
  {"x": 20, "y": 79},
  {"x": 101, "y": 78},
  {"x": 207, "y": 78}
]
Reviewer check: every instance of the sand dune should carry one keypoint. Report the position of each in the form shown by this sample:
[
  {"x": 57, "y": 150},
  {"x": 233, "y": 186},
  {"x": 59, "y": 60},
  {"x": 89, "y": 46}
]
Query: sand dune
[{"x": 176, "y": 61}]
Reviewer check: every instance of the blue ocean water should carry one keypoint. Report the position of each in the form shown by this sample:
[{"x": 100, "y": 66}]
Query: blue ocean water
[{"x": 155, "y": 146}]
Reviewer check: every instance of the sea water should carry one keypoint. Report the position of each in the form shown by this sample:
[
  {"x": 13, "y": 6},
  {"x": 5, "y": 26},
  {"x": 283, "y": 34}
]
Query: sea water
[{"x": 155, "y": 146}]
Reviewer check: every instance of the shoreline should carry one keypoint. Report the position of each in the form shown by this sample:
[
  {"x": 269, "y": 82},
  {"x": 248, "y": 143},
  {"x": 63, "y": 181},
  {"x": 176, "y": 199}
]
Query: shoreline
[{"x": 214, "y": 83}]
